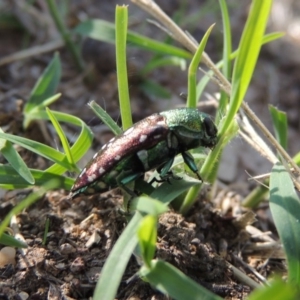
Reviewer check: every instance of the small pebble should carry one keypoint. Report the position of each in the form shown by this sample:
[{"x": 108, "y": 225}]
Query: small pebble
[
  {"x": 66, "y": 249},
  {"x": 7, "y": 256}
]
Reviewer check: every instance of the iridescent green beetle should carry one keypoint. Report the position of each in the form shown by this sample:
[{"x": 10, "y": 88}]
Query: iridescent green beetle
[{"x": 152, "y": 143}]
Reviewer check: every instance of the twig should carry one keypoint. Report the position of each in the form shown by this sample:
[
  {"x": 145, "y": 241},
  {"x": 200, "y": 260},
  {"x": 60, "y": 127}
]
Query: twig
[
  {"x": 242, "y": 277},
  {"x": 251, "y": 269}
]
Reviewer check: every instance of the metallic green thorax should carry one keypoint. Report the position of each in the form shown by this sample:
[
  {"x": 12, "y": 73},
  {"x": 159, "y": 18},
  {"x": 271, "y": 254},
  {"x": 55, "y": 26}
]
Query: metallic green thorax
[{"x": 150, "y": 144}]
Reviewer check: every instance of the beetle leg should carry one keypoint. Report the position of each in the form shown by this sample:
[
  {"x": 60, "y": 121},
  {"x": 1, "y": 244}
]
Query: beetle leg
[
  {"x": 190, "y": 162},
  {"x": 124, "y": 179}
]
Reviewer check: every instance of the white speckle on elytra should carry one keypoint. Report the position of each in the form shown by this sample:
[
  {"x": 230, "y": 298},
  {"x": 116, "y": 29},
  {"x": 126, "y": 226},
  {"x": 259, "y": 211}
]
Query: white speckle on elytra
[
  {"x": 142, "y": 138},
  {"x": 118, "y": 157},
  {"x": 93, "y": 168},
  {"x": 82, "y": 173},
  {"x": 101, "y": 170},
  {"x": 128, "y": 131},
  {"x": 91, "y": 178}
]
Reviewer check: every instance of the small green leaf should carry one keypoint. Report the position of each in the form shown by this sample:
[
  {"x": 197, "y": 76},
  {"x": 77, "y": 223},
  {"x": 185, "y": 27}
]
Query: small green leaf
[
  {"x": 147, "y": 235},
  {"x": 285, "y": 208}
]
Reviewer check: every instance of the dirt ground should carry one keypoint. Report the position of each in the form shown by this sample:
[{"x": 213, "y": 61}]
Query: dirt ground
[{"x": 217, "y": 235}]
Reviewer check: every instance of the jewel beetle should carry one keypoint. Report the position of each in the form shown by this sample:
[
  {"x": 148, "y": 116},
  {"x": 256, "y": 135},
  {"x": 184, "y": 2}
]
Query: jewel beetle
[{"x": 151, "y": 143}]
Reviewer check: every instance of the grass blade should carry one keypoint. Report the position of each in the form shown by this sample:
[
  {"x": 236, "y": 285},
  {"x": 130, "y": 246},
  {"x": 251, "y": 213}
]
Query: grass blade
[
  {"x": 192, "y": 100},
  {"x": 8, "y": 240},
  {"x": 38, "y": 148},
  {"x": 105, "y": 118},
  {"x": 285, "y": 207},
  {"x": 114, "y": 266},
  {"x": 147, "y": 235},
  {"x": 170, "y": 281},
  {"x": 121, "y": 35},
  {"x": 81, "y": 145},
  {"x": 105, "y": 31},
  {"x": 249, "y": 48},
  {"x": 11, "y": 179},
  {"x": 63, "y": 139},
  {"x": 46, "y": 85}
]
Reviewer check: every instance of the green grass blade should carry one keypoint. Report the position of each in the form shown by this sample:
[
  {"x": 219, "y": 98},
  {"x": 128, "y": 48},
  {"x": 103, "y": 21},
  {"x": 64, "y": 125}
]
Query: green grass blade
[
  {"x": 11, "y": 179},
  {"x": 249, "y": 48},
  {"x": 285, "y": 207},
  {"x": 121, "y": 35},
  {"x": 38, "y": 148},
  {"x": 227, "y": 49},
  {"x": 105, "y": 31},
  {"x": 147, "y": 235},
  {"x": 63, "y": 139},
  {"x": 15, "y": 160},
  {"x": 117, "y": 260},
  {"x": 105, "y": 118},
  {"x": 81, "y": 145},
  {"x": 8, "y": 240},
  {"x": 193, "y": 68},
  {"x": 172, "y": 282},
  {"x": 46, "y": 85},
  {"x": 280, "y": 125}
]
